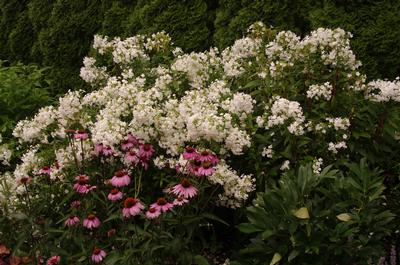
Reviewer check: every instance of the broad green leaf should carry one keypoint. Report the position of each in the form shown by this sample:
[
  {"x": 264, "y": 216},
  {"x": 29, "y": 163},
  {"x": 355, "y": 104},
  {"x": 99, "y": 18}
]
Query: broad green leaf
[
  {"x": 200, "y": 260},
  {"x": 275, "y": 259},
  {"x": 302, "y": 213},
  {"x": 345, "y": 217}
]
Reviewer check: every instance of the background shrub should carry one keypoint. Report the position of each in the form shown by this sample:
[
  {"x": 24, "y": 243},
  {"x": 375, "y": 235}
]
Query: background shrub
[{"x": 58, "y": 33}]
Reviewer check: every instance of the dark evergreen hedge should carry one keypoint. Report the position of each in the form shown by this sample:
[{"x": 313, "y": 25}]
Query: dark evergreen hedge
[{"x": 58, "y": 33}]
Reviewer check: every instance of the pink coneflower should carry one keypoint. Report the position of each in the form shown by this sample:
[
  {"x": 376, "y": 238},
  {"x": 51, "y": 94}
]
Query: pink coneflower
[
  {"x": 132, "y": 207},
  {"x": 81, "y": 135},
  {"x": 205, "y": 169},
  {"x": 153, "y": 213},
  {"x": 190, "y": 153},
  {"x": 185, "y": 189},
  {"x": 81, "y": 185},
  {"x": 45, "y": 170},
  {"x": 132, "y": 157},
  {"x": 98, "y": 149},
  {"x": 146, "y": 150},
  {"x": 53, "y": 260},
  {"x": 207, "y": 156},
  {"x": 91, "y": 222},
  {"x": 72, "y": 220},
  {"x": 120, "y": 179},
  {"x": 107, "y": 151},
  {"x": 115, "y": 195},
  {"x": 144, "y": 162},
  {"x": 126, "y": 145},
  {"x": 162, "y": 205},
  {"x": 193, "y": 167},
  {"x": 76, "y": 204},
  {"x": 180, "y": 201},
  {"x": 132, "y": 139},
  {"x": 25, "y": 180},
  {"x": 98, "y": 255}
]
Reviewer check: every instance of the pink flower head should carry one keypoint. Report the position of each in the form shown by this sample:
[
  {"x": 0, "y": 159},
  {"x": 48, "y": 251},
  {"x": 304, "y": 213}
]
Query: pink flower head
[
  {"x": 207, "y": 156},
  {"x": 115, "y": 195},
  {"x": 153, "y": 213},
  {"x": 98, "y": 149},
  {"x": 143, "y": 162},
  {"x": 91, "y": 222},
  {"x": 107, "y": 151},
  {"x": 45, "y": 170},
  {"x": 205, "y": 169},
  {"x": 76, "y": 203},
  {"x": 72, "y": 220},
  {"x": 25, "y": 180},
  {"x": 190, "y": 153},
  {"x": 185, "y": 189},
  {"x": 126, "y": 145},
  {"x": 132, "y": 139},
  {"x": 81, "y": 185},
  {"x": 53, "y": 260},
  {"x": 81, "y": 135},
  {"x": 193, "y": 167},
  {"x": 120, "y": 179},
  {"x": 146, "y": 150},
  {"x": 162, "y": 205},
  {"x": 98, "y": 255},
  {"x": 132, "y": 207},
  {"x": 132, "y": 157},
  {"x": 180, "y": 201}
]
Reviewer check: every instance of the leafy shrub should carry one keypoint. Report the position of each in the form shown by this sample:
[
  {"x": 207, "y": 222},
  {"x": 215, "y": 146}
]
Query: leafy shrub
[
  {"x": 23, "y": 90},
  {"x": 217, "y": 123},
  {"x": 325, "y": 218}
]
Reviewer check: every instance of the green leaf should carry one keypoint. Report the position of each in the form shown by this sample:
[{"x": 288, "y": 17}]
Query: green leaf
[
  {"x": 275, "y": 259},
  {"x": 215, "y": 218},
  {"x": 248, "y": 228},
  {"x": 293, "y": 255},
  {"x": 267, "y": 233},
  {"x": 200, "y": 260}
]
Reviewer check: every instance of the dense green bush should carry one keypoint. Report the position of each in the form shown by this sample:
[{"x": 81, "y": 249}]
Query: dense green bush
[{"x": 23, "y": 90}]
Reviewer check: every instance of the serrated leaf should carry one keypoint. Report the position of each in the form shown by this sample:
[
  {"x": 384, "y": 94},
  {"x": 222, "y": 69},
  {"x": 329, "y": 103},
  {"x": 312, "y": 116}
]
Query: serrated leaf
[{"x": 302, "y": 213}]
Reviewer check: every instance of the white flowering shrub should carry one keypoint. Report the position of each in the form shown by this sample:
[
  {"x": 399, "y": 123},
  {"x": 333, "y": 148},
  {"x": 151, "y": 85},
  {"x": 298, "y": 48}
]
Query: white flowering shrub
[{"x": 199, "y": 131}]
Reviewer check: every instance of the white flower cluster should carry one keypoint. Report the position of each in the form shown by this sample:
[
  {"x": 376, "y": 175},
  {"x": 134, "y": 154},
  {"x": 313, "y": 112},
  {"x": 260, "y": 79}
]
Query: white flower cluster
[
  {"x": 383, "y": 91},
  {"x": 90, "y": 73},
  {"x": 198, "y": 115},
  {"x": 268, "y": 151},
  {"x": 317, "y": 166},
  {"x": 30, "y": 164},
  {"x": 285, "y": 165},
  {"x": 320, "y": 91},
  {"x": 5, "y": 153},
  {"x": 332, "y": 47},
  {"x": 339, "y": 123},
  {"x": 197, "y": 66},
  {"x": 236, "y": 188},
  {"x": 334, "y": 147},
  {"x": 281, "y": 111},
  {"x": 34, "y": 129},
  {"x": 234, "y": 58}
]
